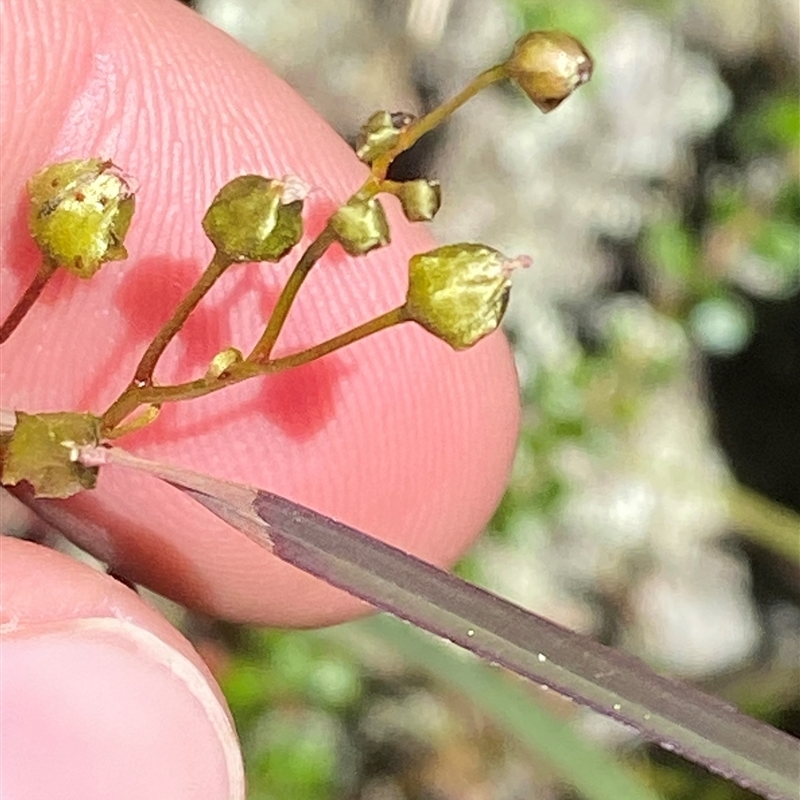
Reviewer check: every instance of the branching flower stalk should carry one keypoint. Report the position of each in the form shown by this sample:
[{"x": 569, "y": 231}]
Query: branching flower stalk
[
  {"x": 141, "y": 391},
  {"x": 80, "y": 213},
  {"x": 413, "y": 132},
  {"x": 149, "y": 395},
  {"x": 394, "y": 141},
  {"x": 81, "y": 210}
]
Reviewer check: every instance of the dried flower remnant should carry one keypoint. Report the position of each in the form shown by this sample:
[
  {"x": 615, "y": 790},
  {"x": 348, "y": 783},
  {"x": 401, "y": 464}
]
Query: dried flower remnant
[
  {"x": 549, "y": 66},
  {"x": 80, "y": 213},
  {"x": 459, "y": 292},
  {"x": 254, "y": 218},
  {"x": 43, "y": 451}
]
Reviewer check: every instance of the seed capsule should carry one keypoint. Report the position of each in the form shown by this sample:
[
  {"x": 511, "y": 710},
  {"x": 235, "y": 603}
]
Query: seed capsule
[
  {"x": 549, "y": 66},
  {"x": 420, "y": 199},
  {"x": 43, "y": 450},
  {"x": 361, "y": 226},
  {"x": 379, "y": 134},
  {"x": 223, "y": 361},
  {"x": 254, "y": 218},
  {"x": 459, "y": 292},
  {"x": 80, "y": 213}
]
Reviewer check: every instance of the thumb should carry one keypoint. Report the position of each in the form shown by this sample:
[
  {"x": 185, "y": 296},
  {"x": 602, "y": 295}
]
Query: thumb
[
  {"x": 101, "y": 697},
  {"x": 396, "y": 435}
]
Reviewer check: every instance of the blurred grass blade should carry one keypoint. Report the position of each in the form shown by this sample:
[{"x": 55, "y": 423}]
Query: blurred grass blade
[
  {"x": 595, "y": 774},
  {"x": 673, "y": 714}
]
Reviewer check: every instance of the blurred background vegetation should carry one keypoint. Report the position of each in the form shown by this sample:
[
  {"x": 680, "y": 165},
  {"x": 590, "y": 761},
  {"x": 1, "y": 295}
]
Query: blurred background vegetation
[{"x": 654, "y": 503}]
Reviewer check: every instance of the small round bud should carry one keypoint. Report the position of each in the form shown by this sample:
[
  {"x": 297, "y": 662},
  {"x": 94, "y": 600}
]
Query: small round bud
[
  {"x": 361, "y": 226},
  {"x": 459, "y": 292},
  {"x": 80, "y": 213},
  {"x": 420, "y": 199},
  {"x": 223, "y": 361},
  {"x": 379, "y": 134},
  {"x": 254, "y": 218},
  {"x": 549, "y": 66}
]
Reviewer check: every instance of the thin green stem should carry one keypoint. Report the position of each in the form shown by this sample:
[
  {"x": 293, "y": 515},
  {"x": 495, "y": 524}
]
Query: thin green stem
[
  {"x": 261, "y": 352},
  {"x": 136, "y": 396},
  {"x": 416, "y": 130},
  {"x": 147, "y": 364},
  {"x": 766, "y": 522},
  {"x": 387, "y": 320},
  {"x": 40, "y": 280}
]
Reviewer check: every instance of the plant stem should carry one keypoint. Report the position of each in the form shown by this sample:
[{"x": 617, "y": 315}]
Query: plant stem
[
  {"x": 29, "y": 297},
  {"x": 147, "y": 365},
  {"x": 138, "y": 395},
  {"x": 387, "y": 320},
  {"x": 416, "y": 130},
  {"x": 315, "y": 251},
  {"x": 135, "y": 396},
  {"x": 766, "y": 522}
]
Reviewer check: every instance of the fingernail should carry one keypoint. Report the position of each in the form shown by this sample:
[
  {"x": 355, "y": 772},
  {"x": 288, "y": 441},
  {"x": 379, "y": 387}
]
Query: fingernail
[{"x": 101, "y": 708}]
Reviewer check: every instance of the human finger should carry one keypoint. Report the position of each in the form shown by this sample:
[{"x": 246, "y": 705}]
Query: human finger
[
  {"x": 101, "y": 696},
  {"x": 397, "y": 435}
]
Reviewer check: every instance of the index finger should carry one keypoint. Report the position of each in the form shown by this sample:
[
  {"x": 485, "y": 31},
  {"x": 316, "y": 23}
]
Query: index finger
[{"x": 396, "y": 435}]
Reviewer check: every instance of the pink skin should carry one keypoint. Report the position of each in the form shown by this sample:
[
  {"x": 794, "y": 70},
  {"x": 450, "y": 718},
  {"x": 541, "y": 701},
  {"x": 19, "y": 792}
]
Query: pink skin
[
  {"x": 101, "y": 697},
  {"x": 397, "y": 435}
]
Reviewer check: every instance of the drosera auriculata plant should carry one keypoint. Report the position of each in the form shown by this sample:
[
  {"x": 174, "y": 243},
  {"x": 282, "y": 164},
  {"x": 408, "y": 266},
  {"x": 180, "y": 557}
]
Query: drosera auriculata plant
[{"x": 81, "y": 211}]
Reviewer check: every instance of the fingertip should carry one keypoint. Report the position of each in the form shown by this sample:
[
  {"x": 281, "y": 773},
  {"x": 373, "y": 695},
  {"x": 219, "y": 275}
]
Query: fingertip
[
  {"x": 396, "y": 435},
  {"x": 107, "y": 705}
]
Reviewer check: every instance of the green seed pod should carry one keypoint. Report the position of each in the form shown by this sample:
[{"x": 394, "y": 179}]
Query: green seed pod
[
  {"x": 254, "y": 218},
  {"x": 549, "y": 66},
  {"x": 80, "y": 213},
  {"x": 379, "y": 134},
  {"x": 420, "y": 199},
  {"x": 223, "y": 361},
  {"x": 361, "y": 226},
  {"x": 43, "y": 450},
  {"x": 459, "y": 292}
]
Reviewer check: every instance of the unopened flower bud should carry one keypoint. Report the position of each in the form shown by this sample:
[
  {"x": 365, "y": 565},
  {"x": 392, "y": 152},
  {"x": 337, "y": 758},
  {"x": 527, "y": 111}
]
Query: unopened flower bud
[
  {"x": 80, "y": 213},
  {"x": 420, "y": 199},
  {"x": 548, "y": 66},
  {"x": 459, "y": 292},
  {"x": 361, "y": 226},
  {"x": 379, "y": 134},
  {"x": 254, "y": 218},
  {"x": 223, "y": 361}
]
